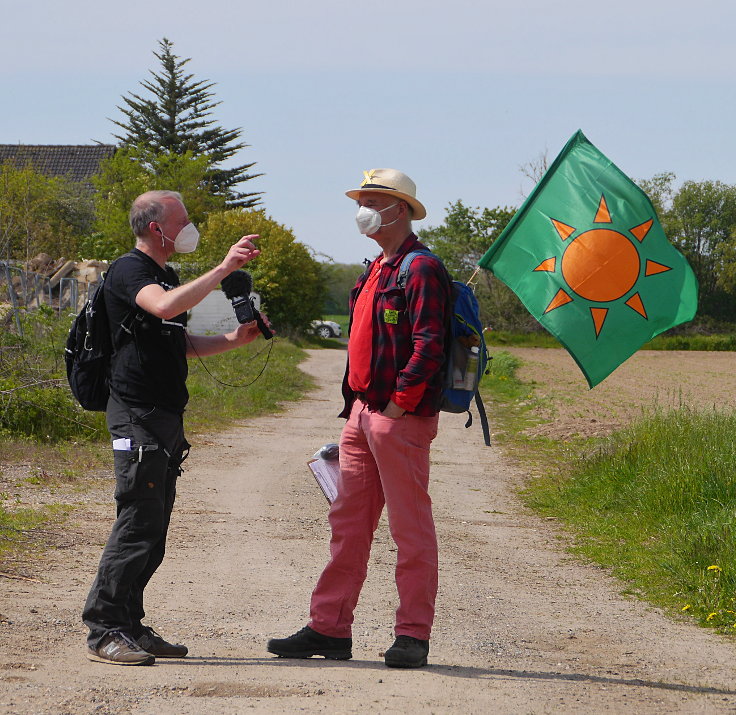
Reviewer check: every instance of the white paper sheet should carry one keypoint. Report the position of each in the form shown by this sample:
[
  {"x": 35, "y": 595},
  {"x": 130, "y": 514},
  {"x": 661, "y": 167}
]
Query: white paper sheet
[{"x": 326, "y": 473}]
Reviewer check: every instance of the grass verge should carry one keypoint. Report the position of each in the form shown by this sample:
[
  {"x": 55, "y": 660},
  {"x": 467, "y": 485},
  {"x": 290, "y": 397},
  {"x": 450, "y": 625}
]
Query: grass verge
[
  {"x": 542, "y": 339},
  {"x": 655, "y": 502},
  {"x": 19, "y": 525},
  {"x": 259, "y": 379}
]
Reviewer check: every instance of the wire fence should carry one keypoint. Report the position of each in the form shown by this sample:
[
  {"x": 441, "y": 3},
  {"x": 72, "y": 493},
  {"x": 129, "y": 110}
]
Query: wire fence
[{"x": 26, "y": 291}]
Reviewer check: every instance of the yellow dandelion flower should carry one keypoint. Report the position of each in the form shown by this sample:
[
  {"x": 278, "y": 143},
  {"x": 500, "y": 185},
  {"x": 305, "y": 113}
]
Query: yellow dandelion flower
[
  {"x": 686, "y": 607},
  {"x": 714, "y": 568},
  {"x": 711, "y": 616}
]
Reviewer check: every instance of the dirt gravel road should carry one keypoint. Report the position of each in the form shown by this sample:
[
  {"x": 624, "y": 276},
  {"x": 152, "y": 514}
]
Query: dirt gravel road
[{"x": 521, "y": 627}]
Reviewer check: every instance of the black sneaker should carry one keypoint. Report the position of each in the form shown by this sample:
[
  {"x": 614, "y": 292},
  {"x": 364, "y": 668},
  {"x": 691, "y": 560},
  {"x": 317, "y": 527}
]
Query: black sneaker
[
  {"x": 119, "y": 648},
  {"x": 307, "y": 643},
  {"x": 407, "y": 652},
  {"x": 154, "y": 644}
]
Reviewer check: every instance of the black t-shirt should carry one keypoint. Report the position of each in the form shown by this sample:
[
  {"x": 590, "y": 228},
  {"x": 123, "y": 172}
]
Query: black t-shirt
[{"x": 149, "y": 364}]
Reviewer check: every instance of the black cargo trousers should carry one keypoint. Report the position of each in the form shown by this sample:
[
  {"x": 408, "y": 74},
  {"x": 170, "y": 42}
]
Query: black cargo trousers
[{"x": 146, "y": 470}]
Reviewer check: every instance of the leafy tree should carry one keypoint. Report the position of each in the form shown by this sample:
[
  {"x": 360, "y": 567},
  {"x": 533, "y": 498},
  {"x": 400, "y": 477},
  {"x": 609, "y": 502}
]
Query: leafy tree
[
  {"x": 704, "y": 215},
  {"x": 700, "y": 220},
  {"x": 660, "y": 191},
  {"x": 461, "y": 241},
  {"x": 177, "y": 120},
  {"x": 38, "y": 213},
  {"x": 129, "y": 173},
  {"x": 339, "y": 281},
  {"x": 466, "y": 235},
  {"x": 704, "y": 221},
  {"x": 286, "y": 275}
]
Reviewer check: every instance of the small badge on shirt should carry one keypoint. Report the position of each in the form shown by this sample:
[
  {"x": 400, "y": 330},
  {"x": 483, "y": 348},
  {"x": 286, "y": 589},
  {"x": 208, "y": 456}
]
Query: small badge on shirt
[{"x": 391, "y": 316}]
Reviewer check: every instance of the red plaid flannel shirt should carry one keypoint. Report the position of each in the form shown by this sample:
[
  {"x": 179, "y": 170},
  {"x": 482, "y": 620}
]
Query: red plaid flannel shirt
[{"x": 411, "y": 350}]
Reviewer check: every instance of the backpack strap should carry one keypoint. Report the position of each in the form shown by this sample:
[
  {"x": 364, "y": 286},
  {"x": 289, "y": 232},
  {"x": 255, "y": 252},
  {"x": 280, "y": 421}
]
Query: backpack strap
[
  {"x": 406, "y": 262},
  {"x": 483, "y": 418}
]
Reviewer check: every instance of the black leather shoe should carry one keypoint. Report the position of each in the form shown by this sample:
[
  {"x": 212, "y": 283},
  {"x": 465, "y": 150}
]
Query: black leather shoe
[
  {"x": 308, "y": 642},
  {"x": 407, "y": 652},
  {"x": 154, "y": 644}
]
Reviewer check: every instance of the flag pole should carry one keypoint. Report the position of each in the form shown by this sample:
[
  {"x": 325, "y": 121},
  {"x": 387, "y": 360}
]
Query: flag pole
[{"x": 472, "y": 280}]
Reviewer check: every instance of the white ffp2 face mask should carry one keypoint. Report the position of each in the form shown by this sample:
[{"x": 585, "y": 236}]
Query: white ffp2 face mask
[
  {"x": 186, "y": 240},
  {"x": 369, "y": 220}
]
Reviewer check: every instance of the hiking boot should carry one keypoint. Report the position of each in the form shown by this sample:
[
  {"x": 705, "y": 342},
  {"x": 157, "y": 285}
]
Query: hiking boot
[
  {"x": 407, "y": 652},
  {"x": 307, "y": 643},
  {"x": 119, "y": 648},
  {"x": 154, "y": 644}
]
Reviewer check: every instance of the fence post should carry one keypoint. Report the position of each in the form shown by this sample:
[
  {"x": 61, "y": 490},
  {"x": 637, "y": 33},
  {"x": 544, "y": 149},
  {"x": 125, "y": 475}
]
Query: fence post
[{"x": 13, "y": 298}]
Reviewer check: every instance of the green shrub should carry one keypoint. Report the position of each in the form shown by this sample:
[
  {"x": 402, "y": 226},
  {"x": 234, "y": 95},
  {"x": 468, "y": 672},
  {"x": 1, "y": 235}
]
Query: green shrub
[{"x": 35, "y": 401}]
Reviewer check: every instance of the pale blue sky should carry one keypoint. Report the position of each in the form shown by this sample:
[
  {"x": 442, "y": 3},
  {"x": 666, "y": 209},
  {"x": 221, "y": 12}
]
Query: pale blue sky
[{"x": 457, "y": 94}]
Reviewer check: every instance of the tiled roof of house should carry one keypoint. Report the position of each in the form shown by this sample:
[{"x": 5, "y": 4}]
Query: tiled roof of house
[{"x": 77, "y": 163}]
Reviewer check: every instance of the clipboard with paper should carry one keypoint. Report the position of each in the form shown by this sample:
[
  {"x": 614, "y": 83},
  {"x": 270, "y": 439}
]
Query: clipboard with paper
[{"x": 325, "y": 468}]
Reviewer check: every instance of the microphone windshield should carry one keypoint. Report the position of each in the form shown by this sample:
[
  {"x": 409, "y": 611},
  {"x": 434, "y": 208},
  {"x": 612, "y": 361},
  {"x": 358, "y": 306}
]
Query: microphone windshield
[{"x": 238, "y": 283}]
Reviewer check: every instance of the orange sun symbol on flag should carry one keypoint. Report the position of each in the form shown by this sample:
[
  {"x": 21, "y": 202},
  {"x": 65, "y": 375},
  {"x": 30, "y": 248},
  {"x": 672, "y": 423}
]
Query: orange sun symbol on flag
[{"x": 601, "y": 265}]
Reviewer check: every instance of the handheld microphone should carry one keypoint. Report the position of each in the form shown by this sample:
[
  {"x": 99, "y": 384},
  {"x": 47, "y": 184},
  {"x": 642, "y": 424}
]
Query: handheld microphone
[{"x": 237, "y": 288}]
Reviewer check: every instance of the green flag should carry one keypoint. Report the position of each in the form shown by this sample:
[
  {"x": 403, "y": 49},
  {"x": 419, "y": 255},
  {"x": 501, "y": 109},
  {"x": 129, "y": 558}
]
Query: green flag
[{"x": 588, "y": 258}]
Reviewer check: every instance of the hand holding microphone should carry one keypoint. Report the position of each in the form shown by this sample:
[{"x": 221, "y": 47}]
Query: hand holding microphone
[{"x": 237, "y": 288}]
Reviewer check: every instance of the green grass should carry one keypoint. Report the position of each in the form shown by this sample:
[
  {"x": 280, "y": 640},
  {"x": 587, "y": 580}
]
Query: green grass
[
  {"x": 657, "y": 506},
  {"x": 213, "y": 405},
  {"x": 511, "y": 400},
  {"x": 692, "y": 342},
  {"x": 17, "y": 525},
  {"x": 503, "y": 338},
  {"x": 511, "y": 406},
  {"x": 542, "y": 339},
  {"x": 655, "y": 503}
]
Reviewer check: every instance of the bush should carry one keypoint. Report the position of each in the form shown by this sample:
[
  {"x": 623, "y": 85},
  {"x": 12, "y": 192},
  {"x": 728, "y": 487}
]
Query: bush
[
  {"x": 35, "y": 400},
  {"x": 286, "y": 275}
]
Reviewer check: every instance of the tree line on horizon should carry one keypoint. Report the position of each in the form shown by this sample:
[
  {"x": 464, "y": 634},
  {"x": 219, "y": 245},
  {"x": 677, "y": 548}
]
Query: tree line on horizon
[{"x": 170, "y": 140}]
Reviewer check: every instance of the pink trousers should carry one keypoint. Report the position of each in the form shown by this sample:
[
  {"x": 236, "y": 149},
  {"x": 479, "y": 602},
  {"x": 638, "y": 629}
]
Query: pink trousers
[{"x": 382, "y": 461}]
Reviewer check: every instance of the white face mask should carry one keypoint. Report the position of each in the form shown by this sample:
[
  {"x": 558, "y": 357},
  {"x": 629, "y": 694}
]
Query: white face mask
[
  {"x": 186, "y": 240},
  {"x": 369, "y": 220}
]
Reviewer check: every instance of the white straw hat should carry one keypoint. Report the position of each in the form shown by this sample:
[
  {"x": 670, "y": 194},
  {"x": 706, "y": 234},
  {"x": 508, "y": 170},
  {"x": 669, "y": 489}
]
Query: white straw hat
[{"x": 390, "y": 181}]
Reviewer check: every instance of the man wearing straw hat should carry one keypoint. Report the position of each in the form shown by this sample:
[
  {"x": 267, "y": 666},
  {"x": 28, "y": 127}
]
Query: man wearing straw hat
[{"x": 392, "y": 387}]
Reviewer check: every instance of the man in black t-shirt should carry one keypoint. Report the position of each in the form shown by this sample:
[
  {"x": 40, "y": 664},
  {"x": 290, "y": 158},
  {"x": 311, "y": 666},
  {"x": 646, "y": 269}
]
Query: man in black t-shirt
[{"x": 147, "y": 309}]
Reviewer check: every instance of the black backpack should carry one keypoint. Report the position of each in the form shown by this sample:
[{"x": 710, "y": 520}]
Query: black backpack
[{"x": 88, "y": 351}]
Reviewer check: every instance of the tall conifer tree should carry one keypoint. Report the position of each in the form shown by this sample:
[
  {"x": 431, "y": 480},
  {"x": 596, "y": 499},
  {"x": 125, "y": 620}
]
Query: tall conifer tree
[{"x": 178, "y": 119}]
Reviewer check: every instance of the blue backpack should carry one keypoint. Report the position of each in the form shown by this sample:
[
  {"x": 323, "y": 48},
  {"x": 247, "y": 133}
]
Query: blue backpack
[{"x": 466, "y": 355}]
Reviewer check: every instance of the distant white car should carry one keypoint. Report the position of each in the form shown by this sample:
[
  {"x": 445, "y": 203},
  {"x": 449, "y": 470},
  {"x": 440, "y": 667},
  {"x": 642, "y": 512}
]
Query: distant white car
[{"x": 326, "y": 328}]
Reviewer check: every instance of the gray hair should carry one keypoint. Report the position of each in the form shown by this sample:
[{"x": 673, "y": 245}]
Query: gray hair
[{"x": 148, "y": 207}]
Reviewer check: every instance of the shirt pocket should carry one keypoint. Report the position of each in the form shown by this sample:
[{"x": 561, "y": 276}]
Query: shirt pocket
[{"x": 391, "y": 305}]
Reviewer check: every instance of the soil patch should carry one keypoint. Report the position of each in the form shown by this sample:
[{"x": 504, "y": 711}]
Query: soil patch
[{"x": 650, "y": 380}]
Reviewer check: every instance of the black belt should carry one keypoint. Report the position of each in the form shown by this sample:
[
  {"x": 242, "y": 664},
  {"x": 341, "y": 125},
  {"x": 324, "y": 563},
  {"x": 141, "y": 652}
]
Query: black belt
[{"x": 360, "y": 396}]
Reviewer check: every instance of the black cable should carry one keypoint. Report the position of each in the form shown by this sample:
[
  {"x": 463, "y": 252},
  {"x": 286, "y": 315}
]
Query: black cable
[{"x": 253, "y": 357}]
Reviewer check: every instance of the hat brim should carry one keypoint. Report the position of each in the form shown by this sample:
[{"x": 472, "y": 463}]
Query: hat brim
[{"x": 419, "y": 211}]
